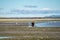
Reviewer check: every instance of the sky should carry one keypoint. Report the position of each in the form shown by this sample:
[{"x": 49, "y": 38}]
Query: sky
[{"x": 6, "y": 6}]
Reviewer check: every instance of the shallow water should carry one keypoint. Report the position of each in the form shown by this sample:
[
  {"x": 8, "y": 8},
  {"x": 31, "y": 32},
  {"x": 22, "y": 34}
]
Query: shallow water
[
  {"x": 48, "y": 24},
  {"x": 4, "y": 37}
]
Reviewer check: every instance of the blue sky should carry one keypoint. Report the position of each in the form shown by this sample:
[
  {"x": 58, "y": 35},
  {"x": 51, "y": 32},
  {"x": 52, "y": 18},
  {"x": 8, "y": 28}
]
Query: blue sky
[{"x": 7, "y": 5}]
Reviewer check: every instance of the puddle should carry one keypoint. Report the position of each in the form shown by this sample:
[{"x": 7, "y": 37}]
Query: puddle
[{"x": 4, "y": 37}]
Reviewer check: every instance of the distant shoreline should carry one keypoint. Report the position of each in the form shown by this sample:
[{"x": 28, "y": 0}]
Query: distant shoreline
[{"x": 29, "y": 17}]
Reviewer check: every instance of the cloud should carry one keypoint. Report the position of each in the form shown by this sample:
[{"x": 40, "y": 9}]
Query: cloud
[
  {"x": 1, "y": 8},
  {"x": 30, "y": 6},
  {"x": 34, "y": 11},
  {"x": 27, "y": 12},
  {"x": 46, "y": 9}
]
